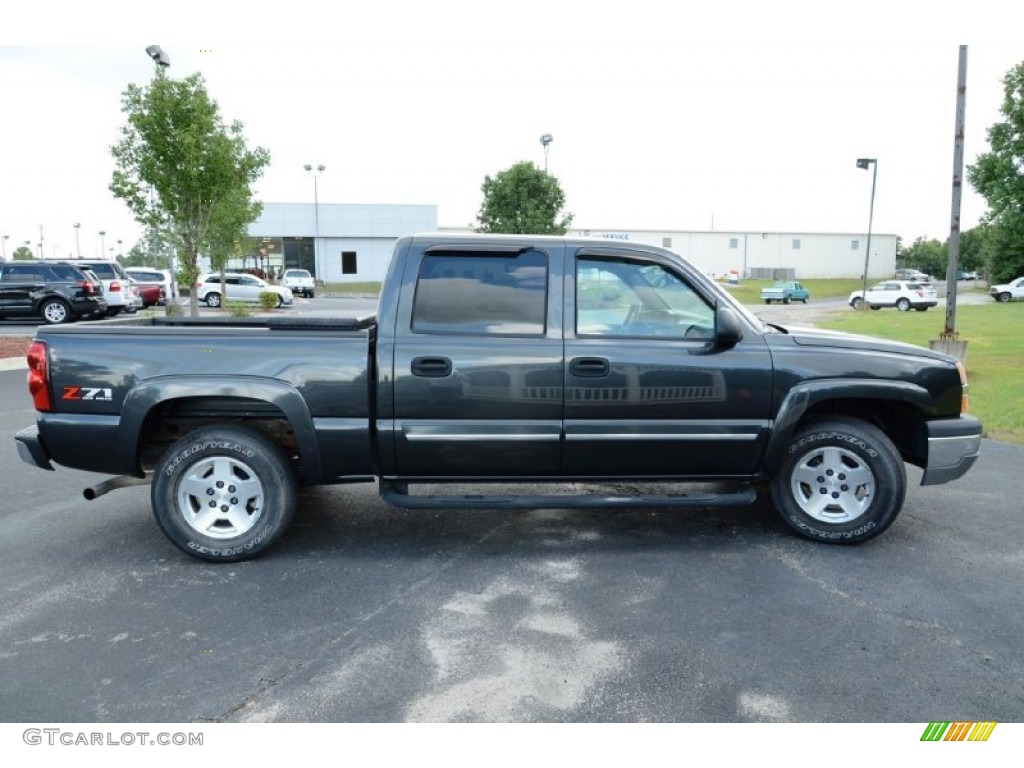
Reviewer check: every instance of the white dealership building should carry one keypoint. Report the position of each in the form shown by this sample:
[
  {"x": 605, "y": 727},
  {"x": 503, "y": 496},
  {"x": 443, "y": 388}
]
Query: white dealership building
[{"x": 354, "y": 243}]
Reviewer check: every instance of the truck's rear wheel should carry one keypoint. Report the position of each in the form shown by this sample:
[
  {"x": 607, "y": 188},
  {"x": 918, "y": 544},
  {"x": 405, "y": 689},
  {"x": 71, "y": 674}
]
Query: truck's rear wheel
[
  {"x": 842, "y": 482},
  {"x": 223, "y": 493}
]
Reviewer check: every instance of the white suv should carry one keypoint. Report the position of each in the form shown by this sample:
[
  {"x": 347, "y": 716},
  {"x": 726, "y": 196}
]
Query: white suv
[
  {"x": 299, "y": 281},
  {"x": 902, "y": 294},
  {"x": 239, "y": 287}
]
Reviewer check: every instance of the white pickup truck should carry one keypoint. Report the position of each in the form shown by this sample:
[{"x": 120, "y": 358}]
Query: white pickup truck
[
  {"x": 1011, "y": 290},
  {"x": 299, "y": 281}
]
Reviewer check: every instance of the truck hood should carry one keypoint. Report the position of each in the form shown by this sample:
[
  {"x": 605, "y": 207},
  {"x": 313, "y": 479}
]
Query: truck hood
[{"x": 817, "y": 337}]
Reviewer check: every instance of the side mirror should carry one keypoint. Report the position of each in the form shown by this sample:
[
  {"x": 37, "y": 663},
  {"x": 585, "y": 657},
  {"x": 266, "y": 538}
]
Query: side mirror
[{"x": 728, "y": 329}]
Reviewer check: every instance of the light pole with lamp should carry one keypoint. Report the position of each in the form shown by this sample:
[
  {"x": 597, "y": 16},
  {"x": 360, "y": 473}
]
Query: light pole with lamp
[
  {"x": 316, "y": 217},
  {"x": 4, "y": 241},
  {"x": 103, "y": 243},
  {"x": 545, "y": 141},
  {"x": 863, "y": 163},
  {"x": 78, "y": 248}
]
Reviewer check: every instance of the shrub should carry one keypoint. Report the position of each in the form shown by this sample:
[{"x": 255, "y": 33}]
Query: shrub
[
  {"x": 268, "y": 299},
  {"x": 238, "y": 309}
]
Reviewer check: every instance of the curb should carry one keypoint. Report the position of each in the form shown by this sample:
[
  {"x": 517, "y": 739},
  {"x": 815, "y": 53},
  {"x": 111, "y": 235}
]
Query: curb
[{"x": 13, "y": 364}]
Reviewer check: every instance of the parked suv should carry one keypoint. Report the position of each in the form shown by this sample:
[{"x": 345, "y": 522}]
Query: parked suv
[
  {"x": 117, "y": 290},
  {"x": 299, "y": 281},
  {"x": 239, "y": 287},
  {"x": 902, "y": 294},
  {"x": 57, "y": 292}
]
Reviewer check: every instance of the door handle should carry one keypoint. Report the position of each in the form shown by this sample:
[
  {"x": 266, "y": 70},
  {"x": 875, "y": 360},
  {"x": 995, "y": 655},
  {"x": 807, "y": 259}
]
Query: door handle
[
  {"x": 589, "y": 367},
  {"x": 431, "y": 367}
]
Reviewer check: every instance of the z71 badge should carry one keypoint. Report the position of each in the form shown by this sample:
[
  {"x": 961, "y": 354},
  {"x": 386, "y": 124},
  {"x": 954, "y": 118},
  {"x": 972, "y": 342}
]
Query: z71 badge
[{"x": 87, "y": 393}]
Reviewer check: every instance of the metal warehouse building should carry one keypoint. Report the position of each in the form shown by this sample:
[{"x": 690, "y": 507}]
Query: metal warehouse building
[{"x": 355, "y": 243}]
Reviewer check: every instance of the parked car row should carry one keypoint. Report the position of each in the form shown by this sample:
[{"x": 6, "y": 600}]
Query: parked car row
[{"x": 56, "y": 292}]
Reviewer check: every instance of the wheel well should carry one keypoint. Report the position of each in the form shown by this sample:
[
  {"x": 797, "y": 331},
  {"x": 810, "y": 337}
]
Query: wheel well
[
  {"x": 170, "y": 420},
  {"x": 901, "y": 422}
]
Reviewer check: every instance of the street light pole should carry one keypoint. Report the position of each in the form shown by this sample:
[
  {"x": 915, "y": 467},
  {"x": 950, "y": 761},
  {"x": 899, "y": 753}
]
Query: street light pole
[
  {"x": 103, "y": 243},
  {"x": 40, "y": 241},
  {"x": 545, "y": 141},
  {"x": 316, "y": 218},
  {"x": 5, "y": 246},
  {"x": 864, "y": 162},
  {"x": 78, "y": 248}
]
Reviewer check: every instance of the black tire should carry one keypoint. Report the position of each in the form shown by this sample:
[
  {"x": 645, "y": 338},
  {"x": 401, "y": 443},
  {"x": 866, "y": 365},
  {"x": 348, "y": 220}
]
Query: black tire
[
  {"x": 55, "y": 311},
  {"x": 113, "y": 311},
  {"x": 857, "y": 302},
  {"x": 280, "y": 301},
  {"x": 224, "y": 493},
  {"x": 767, "y": 301},
  {"x": 1003, "y": 297},
  {"x": 212, "y": 299},
  {"x": 310, "y": 294},
  {"x": 842, "y": 481},
  {"x": 921, "y": 309},
  {"x": 903, "y": 305},
  {"x": 876, "y": 307},
  {"x": 785, "y": 301}
]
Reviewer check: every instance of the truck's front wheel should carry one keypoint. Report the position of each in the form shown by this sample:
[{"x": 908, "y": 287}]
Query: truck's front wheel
[
  {"x": 842, "y": 482},
  {"x": 223, "y": 493}
]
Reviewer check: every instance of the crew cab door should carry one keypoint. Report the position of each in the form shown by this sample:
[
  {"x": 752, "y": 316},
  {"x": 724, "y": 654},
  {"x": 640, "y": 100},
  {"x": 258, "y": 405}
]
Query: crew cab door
[
  {"x": 477, "y": 389},
  {"x": 648, "y": 392}
]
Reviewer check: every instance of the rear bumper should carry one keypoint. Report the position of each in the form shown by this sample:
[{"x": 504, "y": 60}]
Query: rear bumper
[
  {"x": 953, "y": 447},
  {"x": 31, "y": 449}
]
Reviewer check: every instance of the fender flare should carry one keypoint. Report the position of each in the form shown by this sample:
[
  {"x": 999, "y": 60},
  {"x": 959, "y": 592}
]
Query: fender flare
[
  {"x": 142, "y": 399},
  {"x": 803, "y": 397}
]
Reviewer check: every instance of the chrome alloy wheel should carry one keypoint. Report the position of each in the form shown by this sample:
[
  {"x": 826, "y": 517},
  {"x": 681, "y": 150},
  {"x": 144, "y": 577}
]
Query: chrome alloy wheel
[
  {"x": 220, "y": 497},
  {"x": 832, "y": 485}
]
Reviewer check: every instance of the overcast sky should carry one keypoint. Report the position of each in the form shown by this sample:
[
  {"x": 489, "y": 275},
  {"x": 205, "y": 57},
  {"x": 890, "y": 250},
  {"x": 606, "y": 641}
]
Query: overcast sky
[{"x": 748, "y": 117}]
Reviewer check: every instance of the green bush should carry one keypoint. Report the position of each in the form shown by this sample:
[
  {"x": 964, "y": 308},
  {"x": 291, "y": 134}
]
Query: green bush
[
  {"x": 238, "y": 309},
  {"x": 268, "y": 299}
]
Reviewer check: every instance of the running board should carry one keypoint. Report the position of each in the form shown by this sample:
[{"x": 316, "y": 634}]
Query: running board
[{"x": 397, "y": 494}]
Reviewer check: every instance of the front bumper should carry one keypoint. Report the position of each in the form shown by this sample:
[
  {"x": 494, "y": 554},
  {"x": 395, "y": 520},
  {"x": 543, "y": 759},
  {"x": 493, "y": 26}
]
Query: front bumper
[{"x": 953, "y": 447}]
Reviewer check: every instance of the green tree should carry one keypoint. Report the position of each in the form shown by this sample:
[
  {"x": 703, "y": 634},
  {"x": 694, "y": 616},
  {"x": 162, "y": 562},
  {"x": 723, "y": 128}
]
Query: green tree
[
  {"x": 998, "y": 175},
  {"x": 22, "y": 253},
  {"x": 181, "y": 169},
  {"x": 523, "y": 200},
  {"x": 928, "y": 255},
  {"x": 153, "y": 250}
]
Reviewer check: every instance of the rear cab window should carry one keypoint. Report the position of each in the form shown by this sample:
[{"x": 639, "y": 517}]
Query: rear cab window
[{"x": 482, "y": 294}]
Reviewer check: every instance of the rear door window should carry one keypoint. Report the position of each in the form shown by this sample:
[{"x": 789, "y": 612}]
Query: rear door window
[{"x": 482, "y": 293}]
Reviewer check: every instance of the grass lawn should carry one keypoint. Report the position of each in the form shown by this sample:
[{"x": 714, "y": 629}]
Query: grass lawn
[
  {"x": 365, "y": 287},
  {"x": 995, "y": 355}
]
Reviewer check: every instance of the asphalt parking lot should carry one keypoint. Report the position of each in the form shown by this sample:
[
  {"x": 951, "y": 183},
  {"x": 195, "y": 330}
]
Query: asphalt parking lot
[{"x": 364, "y": 613}]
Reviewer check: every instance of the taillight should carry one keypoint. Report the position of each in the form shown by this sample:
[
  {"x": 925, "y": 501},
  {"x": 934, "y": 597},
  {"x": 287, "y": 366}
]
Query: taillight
[
  {"x": 114, "y": 286},
  {"x": 38, "y": 376},
  {"x": 86, "y": 287}
]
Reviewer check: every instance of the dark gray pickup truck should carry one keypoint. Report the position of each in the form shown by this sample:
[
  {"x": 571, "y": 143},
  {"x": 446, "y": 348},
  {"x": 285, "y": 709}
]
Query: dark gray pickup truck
[{"x": 500, "y": 359}]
